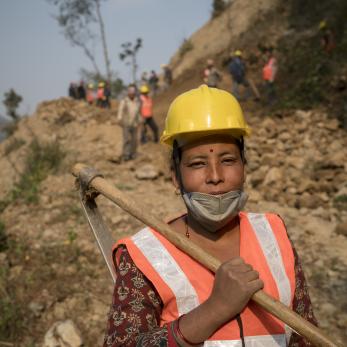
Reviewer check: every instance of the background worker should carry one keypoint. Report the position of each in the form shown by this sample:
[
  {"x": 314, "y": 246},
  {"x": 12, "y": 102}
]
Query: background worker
[
  {"x": 162, "y": 296},
  {"x": 107, "y": 95},
  {"x": 269, "y": 75},
  {"x": 147, "y": 115},
  {"x": 129, "y": 119},
  {"x": 153, "y": 82},
  {"x": 237, "y": 69},
  {"x": 73, "y": 92},
  {"x": 90, "y": 94},
  {"x": 211, "y": 75},
  {"x": 327, "y": 40},
  {"x": 81, "y": 91},
  {"x": 167, "y": 76},
  {"x": 100, "y": 95}
]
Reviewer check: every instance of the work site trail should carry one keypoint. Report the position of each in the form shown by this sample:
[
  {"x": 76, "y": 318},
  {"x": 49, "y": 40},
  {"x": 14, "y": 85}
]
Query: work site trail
[{"x": 54, "y": 268}]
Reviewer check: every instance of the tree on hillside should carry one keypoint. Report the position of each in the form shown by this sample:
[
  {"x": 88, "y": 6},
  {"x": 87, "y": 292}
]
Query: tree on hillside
[
  {"x": 218, "y": 7},
  {"x": 77, "y": 17},
  {"x": 129, "y": 54},
  {"x": 11, "y": 102}
]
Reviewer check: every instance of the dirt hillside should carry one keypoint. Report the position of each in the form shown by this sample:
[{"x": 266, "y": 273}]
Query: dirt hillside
[{"x": 51, "y": 259}]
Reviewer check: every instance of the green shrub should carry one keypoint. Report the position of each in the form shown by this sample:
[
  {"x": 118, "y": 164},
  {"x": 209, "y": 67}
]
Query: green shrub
[
  {"x": 218, "y": 7},
  {"x": 11, "y": 317},
  {"x": 3, "y": 237},
  {"x": 42, "y": 159},
  {"x": 340, "y": 202}
]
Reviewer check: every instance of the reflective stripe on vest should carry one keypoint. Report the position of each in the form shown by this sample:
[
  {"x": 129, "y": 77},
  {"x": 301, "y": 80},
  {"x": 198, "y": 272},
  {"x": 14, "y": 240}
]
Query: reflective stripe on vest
[
  {"x": 272, "y": 253},
  {"x": 168, "y": 270},
  {"x": 183, "y": 283},
  {"x": 251, "y": 341}
]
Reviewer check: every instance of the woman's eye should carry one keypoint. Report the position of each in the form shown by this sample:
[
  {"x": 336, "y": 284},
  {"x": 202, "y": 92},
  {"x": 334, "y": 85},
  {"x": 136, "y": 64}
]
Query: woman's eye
[
  {"x": 196, "y": 164},
  {"x": 230, "y": 160}
]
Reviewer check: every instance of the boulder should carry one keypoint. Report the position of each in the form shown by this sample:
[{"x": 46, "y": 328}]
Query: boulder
[
  {"x": 332, "y": 124},
  {"x": 296, "y": 162},
  {"x": 309, "y": 200},
  {"x": 341, "y": 229},
  {"x": 305, "y": 185},
  {"x": 147, "y": 172},
  {"x": 63, "y": 334},
  {"x": 36, "y": 308},
  {"x": 274, "y": 175},
  {"x": 270, "y": 160}
]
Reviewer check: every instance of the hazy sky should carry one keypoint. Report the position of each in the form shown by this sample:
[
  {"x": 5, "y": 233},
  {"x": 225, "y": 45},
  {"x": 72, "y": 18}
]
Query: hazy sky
[{"x": 38, "y": 62}]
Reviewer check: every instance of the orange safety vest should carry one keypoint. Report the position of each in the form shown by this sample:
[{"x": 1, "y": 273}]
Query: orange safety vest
[
  {"x": 100, "y": 94},
  {"x": 183, "y": 283},
  {"x": 268, "y": 70},
  {"x": 90, "y": 96},
  {"x": 146, "y": 106}
]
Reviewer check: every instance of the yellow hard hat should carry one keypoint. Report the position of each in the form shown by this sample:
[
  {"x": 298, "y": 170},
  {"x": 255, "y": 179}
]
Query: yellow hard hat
[
  {"x": 322, "y": 24},
  {"x": 101, "y": 84},
  {"x": 201, "y": 112},
  {"x": 144, "y": 89},
  {"x": 238, "y": 53}
]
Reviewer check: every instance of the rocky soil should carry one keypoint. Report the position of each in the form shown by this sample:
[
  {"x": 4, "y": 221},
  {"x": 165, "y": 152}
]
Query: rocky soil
[{"x": 53, "y": 278}]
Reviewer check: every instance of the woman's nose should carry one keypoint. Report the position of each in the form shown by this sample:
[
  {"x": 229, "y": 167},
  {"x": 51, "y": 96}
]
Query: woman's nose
[{"x": 214, "y": 174}]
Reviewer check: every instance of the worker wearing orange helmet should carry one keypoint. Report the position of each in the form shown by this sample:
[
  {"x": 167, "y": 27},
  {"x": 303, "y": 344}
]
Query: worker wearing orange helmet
[{"x": 164, "y": 295}]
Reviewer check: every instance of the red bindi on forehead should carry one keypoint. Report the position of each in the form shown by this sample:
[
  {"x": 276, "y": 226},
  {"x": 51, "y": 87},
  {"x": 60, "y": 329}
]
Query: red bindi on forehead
[{"x": 211, "y": 150}]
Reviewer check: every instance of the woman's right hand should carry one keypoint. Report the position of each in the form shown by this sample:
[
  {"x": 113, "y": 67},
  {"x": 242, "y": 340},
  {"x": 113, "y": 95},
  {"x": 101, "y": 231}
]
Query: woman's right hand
[{"x": 235, "y": 283}]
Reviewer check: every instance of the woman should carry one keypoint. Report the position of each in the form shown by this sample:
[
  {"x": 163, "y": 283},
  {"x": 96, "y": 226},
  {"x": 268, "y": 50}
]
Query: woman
[{"x": 162, "y": 296}]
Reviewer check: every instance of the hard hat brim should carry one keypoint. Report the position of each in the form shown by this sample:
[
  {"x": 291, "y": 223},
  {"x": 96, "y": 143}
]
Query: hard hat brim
[{"x": 188, "y": 137}]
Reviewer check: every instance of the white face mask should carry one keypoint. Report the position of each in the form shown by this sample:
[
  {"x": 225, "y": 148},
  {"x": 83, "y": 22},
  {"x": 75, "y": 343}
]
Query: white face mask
[{"x": 213, "y": 212}]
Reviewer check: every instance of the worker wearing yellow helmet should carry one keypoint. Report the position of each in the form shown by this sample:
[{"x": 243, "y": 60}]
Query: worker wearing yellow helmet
[
  {"x": 327, "y": 39},
  {"x": 144, "y": 89},
  {"x": 100, "y": 95},
  {"x": 238, "y": 72},
  {"x": 146, "y": 111},
  {"x": 188, "y": 304},
  {"x": 90, "y": 94}
]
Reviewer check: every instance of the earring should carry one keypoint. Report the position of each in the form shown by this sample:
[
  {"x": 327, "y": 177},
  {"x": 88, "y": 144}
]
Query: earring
[{"x": 177, "y": 191}]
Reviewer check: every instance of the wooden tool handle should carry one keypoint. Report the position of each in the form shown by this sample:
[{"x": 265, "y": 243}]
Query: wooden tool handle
[{"x": 273, "y": 306}]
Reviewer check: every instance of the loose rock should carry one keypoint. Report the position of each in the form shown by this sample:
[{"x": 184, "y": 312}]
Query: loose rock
[
  {"x": 63, "y": 334},
  {"x": 147, "y": 172}
]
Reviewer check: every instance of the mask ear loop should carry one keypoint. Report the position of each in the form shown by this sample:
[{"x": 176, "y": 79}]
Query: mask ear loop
[{"x": 176, "y": 162}]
